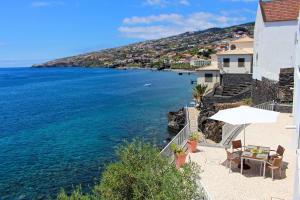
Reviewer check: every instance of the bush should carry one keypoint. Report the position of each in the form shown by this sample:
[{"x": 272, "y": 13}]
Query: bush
[{"x": 141, "y": 173}]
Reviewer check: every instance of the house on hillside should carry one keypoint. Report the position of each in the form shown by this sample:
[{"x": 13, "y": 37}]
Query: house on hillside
[
  {"x": 199, "y": 62},
  {"x": 275, "y": 36},
  {"x": 237, "y": 59}
]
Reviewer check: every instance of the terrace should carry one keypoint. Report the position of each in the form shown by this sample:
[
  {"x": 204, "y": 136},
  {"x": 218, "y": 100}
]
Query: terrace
[
  {"x": 220, "y": 184},
  {"x": 217, "y": 183}
]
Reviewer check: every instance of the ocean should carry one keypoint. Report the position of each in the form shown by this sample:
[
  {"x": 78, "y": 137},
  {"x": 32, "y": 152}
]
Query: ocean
[{"x": 59, "y": 127}]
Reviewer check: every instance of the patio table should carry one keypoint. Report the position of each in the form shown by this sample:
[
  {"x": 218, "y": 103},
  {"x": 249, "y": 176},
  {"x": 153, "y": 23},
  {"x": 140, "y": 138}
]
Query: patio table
[{"x": 256, "y": 153}]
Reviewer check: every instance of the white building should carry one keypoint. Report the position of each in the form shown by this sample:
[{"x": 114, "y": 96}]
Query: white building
[
  {"x": 238, "y": 59},
  {"x": 274, "y": 34},
  {"x": 209, "y": 75},
  {"x": 197, "y": 62},
  {"x": 296, "y": 113}
]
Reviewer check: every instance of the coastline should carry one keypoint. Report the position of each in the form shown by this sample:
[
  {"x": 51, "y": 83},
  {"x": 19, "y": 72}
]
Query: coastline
[{"x": 124, "y": 68}]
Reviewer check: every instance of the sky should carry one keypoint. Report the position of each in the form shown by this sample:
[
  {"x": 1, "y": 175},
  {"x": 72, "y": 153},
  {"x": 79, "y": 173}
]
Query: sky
[{"x": 35, "y": 31}]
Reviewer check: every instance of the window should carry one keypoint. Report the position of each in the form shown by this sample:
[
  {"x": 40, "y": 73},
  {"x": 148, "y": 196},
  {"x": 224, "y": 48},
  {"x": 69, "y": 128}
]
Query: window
[
  {"x": 226, "y": 62},
  {"x": 232, "y": 47},
  {"x": 241, "y": 62},
  {"x": 208, "y": 78}
]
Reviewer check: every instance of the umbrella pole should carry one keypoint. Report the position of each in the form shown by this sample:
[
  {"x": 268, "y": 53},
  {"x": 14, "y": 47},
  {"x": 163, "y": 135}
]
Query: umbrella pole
[{"x": 244, "y": 134}]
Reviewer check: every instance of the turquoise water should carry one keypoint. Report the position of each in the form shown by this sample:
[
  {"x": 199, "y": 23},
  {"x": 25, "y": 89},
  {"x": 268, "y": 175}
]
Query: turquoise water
[{"x": 59, "y": 126}]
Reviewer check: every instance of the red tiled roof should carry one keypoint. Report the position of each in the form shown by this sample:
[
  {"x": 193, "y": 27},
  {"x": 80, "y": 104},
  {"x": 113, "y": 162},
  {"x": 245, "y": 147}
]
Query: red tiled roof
[{"x": 280, "y": 10}]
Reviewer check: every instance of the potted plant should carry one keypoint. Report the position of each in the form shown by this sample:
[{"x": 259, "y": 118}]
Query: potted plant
[
  {"x": 193, "y": 142},
  {"x": 180, "y": 155}
]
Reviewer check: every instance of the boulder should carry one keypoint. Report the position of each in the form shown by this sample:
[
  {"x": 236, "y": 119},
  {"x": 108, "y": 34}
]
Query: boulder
[
  {"x": 176, "y": 120},
  {"x": 210, "y": 128}
]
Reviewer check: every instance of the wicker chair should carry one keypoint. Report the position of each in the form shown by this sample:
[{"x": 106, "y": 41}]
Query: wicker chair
[
  {"x": 232, "y": 157},
  {"x": 276, "y": 164},
  {"x": 279, "y": 153},
  {"x": 237, "y": 146}
]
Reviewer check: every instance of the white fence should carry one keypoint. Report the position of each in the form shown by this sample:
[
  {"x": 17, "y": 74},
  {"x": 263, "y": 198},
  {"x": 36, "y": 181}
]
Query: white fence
[
  {"x": 180, "y": 139},
  {"x": 229, "y": 131}
]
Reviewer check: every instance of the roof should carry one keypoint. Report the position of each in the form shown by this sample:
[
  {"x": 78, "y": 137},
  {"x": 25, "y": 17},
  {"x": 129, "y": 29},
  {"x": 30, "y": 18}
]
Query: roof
[
  {"x": 236, "y": 52},
  {"x": 280, "y": 10},
  {"x": 209, "y": 68},
  {"x": 243, "y": 39}
]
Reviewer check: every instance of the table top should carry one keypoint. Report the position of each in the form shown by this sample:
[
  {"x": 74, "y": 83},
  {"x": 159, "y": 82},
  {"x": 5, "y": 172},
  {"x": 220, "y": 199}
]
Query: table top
[{"x": 256, "y": 152}]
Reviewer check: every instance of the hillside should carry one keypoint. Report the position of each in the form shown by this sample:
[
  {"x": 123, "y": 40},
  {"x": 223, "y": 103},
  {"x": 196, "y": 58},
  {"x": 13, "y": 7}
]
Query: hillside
[{"x": 154, "y": 53}]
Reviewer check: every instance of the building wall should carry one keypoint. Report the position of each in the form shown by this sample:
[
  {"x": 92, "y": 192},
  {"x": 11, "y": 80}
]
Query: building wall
[
  {"x": 236, "y": 79},
  {"x": 274, "y": 44},
  {"x": 233, "y": 68},
  {"x": 296, "y": 113},
  {"x": 201, "y": 78},
  {"x": 243, "y": 45}
]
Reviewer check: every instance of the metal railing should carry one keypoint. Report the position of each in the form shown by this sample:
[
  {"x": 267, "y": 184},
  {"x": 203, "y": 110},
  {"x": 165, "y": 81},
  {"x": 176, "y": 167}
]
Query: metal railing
[
  {"x": 180, "y": 139},
  {"x": 230, "y": 131},
  {"x": 266, "y": 106}
]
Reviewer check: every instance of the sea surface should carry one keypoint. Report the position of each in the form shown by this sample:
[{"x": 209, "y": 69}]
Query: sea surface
[{"x": 59, "y": 127}]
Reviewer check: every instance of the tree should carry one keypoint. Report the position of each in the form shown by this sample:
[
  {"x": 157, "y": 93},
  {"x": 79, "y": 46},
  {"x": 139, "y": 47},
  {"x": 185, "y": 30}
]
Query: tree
[
  {"x": 142, "y": 173},
  {"x": 198, "y": 92}
]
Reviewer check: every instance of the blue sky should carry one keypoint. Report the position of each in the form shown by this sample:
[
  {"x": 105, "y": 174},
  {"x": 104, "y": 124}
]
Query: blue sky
[{"x": 36, "y": 31}]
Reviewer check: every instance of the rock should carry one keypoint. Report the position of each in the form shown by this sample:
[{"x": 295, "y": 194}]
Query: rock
[
  {"x": 176, "y": 120},
  {"x": 286, "y": 82},
  {"x": 210, "y": 128}
]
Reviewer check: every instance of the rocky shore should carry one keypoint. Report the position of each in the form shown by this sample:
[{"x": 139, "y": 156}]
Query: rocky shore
[{"x": 176, "y": 121}]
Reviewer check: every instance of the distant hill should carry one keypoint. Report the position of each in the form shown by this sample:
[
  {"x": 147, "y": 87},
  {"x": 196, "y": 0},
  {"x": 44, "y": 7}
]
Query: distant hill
[{"x": 153, "y": 53}]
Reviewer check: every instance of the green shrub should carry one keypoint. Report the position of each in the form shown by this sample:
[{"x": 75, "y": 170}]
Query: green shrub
[
  {"x": 142, "y": 173},
  {"x": 194, "y": 137}
]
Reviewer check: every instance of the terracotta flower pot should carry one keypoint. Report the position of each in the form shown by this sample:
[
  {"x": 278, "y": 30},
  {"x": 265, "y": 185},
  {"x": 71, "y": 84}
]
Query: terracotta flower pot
[
  {"x": 180, "y": 159},
  {"x": 192, "y": 145}
]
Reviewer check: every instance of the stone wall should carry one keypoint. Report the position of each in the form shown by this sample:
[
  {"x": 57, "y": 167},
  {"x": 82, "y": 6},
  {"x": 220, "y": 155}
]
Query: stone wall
[
  {"x": 286, "y": 82},
  {"x": 236, "y": 79},
  {"x": 283, "y": 108},
  {"x": 264, "y": 91},
  {"x": 210, "y": 101},
  {"x": 268, "y": 90}
]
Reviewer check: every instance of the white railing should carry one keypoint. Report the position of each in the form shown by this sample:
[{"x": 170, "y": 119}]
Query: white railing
[
  {"x": 229, "y": 131},
  {"x": 180, "y": 139},
  {"x": 266, "y": 106}
]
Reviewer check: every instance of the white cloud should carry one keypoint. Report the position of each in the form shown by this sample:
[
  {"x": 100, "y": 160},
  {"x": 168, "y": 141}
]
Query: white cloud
[
  {"x": 158, "y": 26},
  {"x": 163, "y": 3},
  {"x": 184, "y": 2},
  {"x": 40, "y": 4}
]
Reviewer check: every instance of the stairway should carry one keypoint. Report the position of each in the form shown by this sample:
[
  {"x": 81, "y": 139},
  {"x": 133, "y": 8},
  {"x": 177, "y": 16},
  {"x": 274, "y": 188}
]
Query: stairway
[
  {"x": 193, "y": 119},
  {"x": 231, "y": 90}
]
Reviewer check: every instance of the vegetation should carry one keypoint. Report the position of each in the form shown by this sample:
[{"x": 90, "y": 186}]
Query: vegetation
[
  {"x": 247, "y": 102},
  {"x": 141, "y": 173},
  {"x": 198, "y": 92},
  {"x": 194, "y": 137},
  {"x": 181, "y": 66},
  {"x": 206, "y": 53},
  {"x": 177, "y": 149}
]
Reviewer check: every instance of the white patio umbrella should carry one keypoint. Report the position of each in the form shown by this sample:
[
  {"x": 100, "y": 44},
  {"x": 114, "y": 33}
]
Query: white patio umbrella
[{"x": 245, "y": 115}]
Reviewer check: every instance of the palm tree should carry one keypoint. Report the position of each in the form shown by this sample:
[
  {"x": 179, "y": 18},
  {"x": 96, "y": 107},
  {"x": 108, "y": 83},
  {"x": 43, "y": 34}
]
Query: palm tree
[{"x": 198, "y": 92}]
